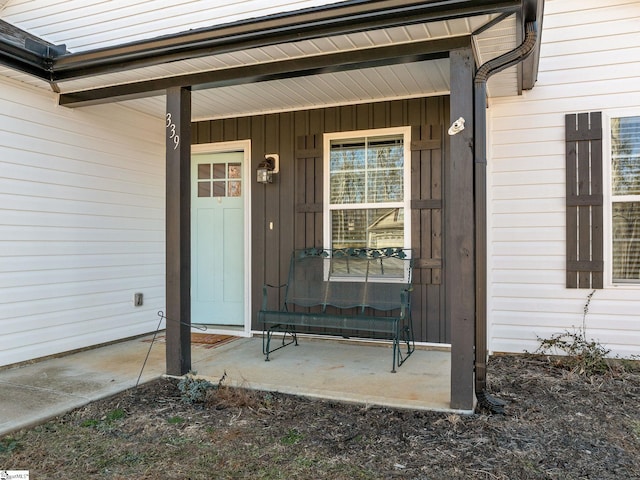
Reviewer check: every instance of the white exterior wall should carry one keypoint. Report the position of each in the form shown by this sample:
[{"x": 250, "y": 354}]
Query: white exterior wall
[
  {"x": 81, "y": 223},
  {"x": 590, "y": 61}
]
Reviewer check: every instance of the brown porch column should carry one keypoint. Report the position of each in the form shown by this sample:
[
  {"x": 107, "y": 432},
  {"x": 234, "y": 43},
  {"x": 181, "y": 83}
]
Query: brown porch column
[
  {"x": 178, "y": 230},
  {"x": 459, "y": 260}
]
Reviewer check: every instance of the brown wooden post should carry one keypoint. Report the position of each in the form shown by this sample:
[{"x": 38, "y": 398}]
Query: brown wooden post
[
  {"x": 178, "y": 230},
  {"x": 459, "y": 255}
]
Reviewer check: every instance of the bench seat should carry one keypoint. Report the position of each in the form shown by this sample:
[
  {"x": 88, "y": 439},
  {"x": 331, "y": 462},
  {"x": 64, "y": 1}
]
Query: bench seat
[{"x": 343, "y": 290}]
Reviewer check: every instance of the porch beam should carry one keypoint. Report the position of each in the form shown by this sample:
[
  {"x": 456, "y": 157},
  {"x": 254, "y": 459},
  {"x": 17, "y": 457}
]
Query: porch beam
[
  {"x": 178, "y": 231},
  {"x": 330, "y": 20},
  {"x": 459, "y": 233},
  {"x": 299, "y": 67}
]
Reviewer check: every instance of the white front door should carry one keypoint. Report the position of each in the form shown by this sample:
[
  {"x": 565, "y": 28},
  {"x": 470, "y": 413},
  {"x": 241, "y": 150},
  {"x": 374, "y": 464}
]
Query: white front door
[{"x": 218, "y": 189}]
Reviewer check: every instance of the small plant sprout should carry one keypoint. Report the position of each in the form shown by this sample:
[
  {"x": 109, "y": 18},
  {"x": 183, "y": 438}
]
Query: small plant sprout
[{"x": 292, "y": 437}]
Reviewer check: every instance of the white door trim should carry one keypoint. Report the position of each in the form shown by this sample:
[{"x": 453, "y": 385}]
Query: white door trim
[{"x": 236, "y": 146}]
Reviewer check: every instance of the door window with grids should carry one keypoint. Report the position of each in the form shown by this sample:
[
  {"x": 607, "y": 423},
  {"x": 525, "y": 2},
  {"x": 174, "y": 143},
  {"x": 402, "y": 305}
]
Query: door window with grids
[
  {"x": 625, "y": 199},
  {"x": 367, "y": 189},
  {"x": 219, "y": 180}
]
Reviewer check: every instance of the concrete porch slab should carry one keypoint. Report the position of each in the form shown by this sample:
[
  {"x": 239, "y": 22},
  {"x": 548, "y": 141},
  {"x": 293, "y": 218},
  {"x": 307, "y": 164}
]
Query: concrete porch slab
[
  {"x": 330, "y": 369},
  {"x": 31, "y": 394},
  {"x": 336, "y": 370}
]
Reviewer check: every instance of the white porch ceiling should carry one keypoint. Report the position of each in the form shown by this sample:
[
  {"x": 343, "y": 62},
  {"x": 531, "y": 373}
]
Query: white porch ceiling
[
  {"x": 331, "y": 89},
  {"x": 104, "y": 26}
]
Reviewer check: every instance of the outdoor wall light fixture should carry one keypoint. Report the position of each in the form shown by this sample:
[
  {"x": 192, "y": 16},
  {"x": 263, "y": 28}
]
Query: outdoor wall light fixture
[
  {"x": 267, "y": 167},
  {"x": 456, "y": 127}
]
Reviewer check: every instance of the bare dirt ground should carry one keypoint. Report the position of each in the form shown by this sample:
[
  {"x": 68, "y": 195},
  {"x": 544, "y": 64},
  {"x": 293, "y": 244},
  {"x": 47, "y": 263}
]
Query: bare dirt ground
[{"x": 557, "y": 424}]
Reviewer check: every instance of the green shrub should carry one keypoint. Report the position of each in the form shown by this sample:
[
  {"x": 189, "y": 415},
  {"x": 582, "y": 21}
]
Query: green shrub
[{"x": 194, "y": 390}]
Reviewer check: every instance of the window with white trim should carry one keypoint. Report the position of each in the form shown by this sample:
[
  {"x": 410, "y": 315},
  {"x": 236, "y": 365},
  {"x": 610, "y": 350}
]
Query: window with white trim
[
  {"x": 625, "y": 199},
  {"x": 367, "y": 189}
]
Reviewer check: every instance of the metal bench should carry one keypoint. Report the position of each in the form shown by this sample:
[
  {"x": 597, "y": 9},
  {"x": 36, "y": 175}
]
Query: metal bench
[{"x": 342, "y": 291}]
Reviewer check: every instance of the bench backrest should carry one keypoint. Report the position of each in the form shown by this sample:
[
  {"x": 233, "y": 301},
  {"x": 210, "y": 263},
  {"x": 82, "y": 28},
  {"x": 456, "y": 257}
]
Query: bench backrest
[{"x": 348, "y": 278}]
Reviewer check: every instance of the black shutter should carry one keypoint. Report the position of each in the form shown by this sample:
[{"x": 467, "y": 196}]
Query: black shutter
[
  {"x": 426, "y": 203},
  {"x": 585, "y": 258},
  {"x": 427, "y": 299},
  {"x": 308, "y": 191}
]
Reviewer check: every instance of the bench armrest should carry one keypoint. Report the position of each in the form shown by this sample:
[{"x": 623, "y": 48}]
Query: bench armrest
[
  {"x": 264, "y": 293},
  {"x": 405, "y": 301}
]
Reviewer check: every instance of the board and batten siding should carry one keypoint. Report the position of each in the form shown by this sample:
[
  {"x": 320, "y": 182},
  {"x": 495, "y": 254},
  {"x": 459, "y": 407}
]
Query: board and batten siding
[
  {"x": 81, "y": 223},
  {"x": 590, "y": 61},
  {"x": 293, "y": 204}
]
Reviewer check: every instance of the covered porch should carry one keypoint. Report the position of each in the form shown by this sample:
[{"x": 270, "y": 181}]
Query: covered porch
[{"x": 363, "y": 66}]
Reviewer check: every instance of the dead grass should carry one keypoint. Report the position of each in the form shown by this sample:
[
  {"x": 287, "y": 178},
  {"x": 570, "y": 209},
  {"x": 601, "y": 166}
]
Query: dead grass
[{"x": 558, "y": 424}]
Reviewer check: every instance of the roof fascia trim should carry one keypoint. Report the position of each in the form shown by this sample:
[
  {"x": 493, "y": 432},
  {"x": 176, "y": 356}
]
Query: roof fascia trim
[
  {"x": 23, "y": 60},
  {"x": 26, "y": 52},
  {"x": 347, "y": 17}
]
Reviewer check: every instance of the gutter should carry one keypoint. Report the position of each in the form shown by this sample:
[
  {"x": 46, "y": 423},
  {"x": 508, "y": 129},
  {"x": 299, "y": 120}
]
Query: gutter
[
  {"x": 27, "y": 53},
  {"x": 483, "y": 73},
  {"x": 316, "y": 22},
  {"x": 20, "y": 59},
  {"x": 350, "y": 16}
]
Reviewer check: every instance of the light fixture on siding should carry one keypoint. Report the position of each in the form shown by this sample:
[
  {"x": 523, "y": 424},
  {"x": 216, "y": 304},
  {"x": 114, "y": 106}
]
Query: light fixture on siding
[
  {"x": 456, "y": 127},
  {"x": 267, "y": 167}
]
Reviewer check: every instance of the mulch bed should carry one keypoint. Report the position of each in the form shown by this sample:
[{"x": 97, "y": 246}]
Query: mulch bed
[{"x": 557, "y": 424}]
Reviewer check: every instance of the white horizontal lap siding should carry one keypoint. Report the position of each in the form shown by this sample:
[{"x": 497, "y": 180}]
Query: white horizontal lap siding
[
  {"x": 83, "y": 25},
  {"x": 590, "y": 61},
  {"x": 81, "y": 223}
]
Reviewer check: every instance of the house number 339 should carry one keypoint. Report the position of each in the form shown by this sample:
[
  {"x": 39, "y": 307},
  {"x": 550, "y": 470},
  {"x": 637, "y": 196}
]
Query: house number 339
[{"x": 172, "y": 131}]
